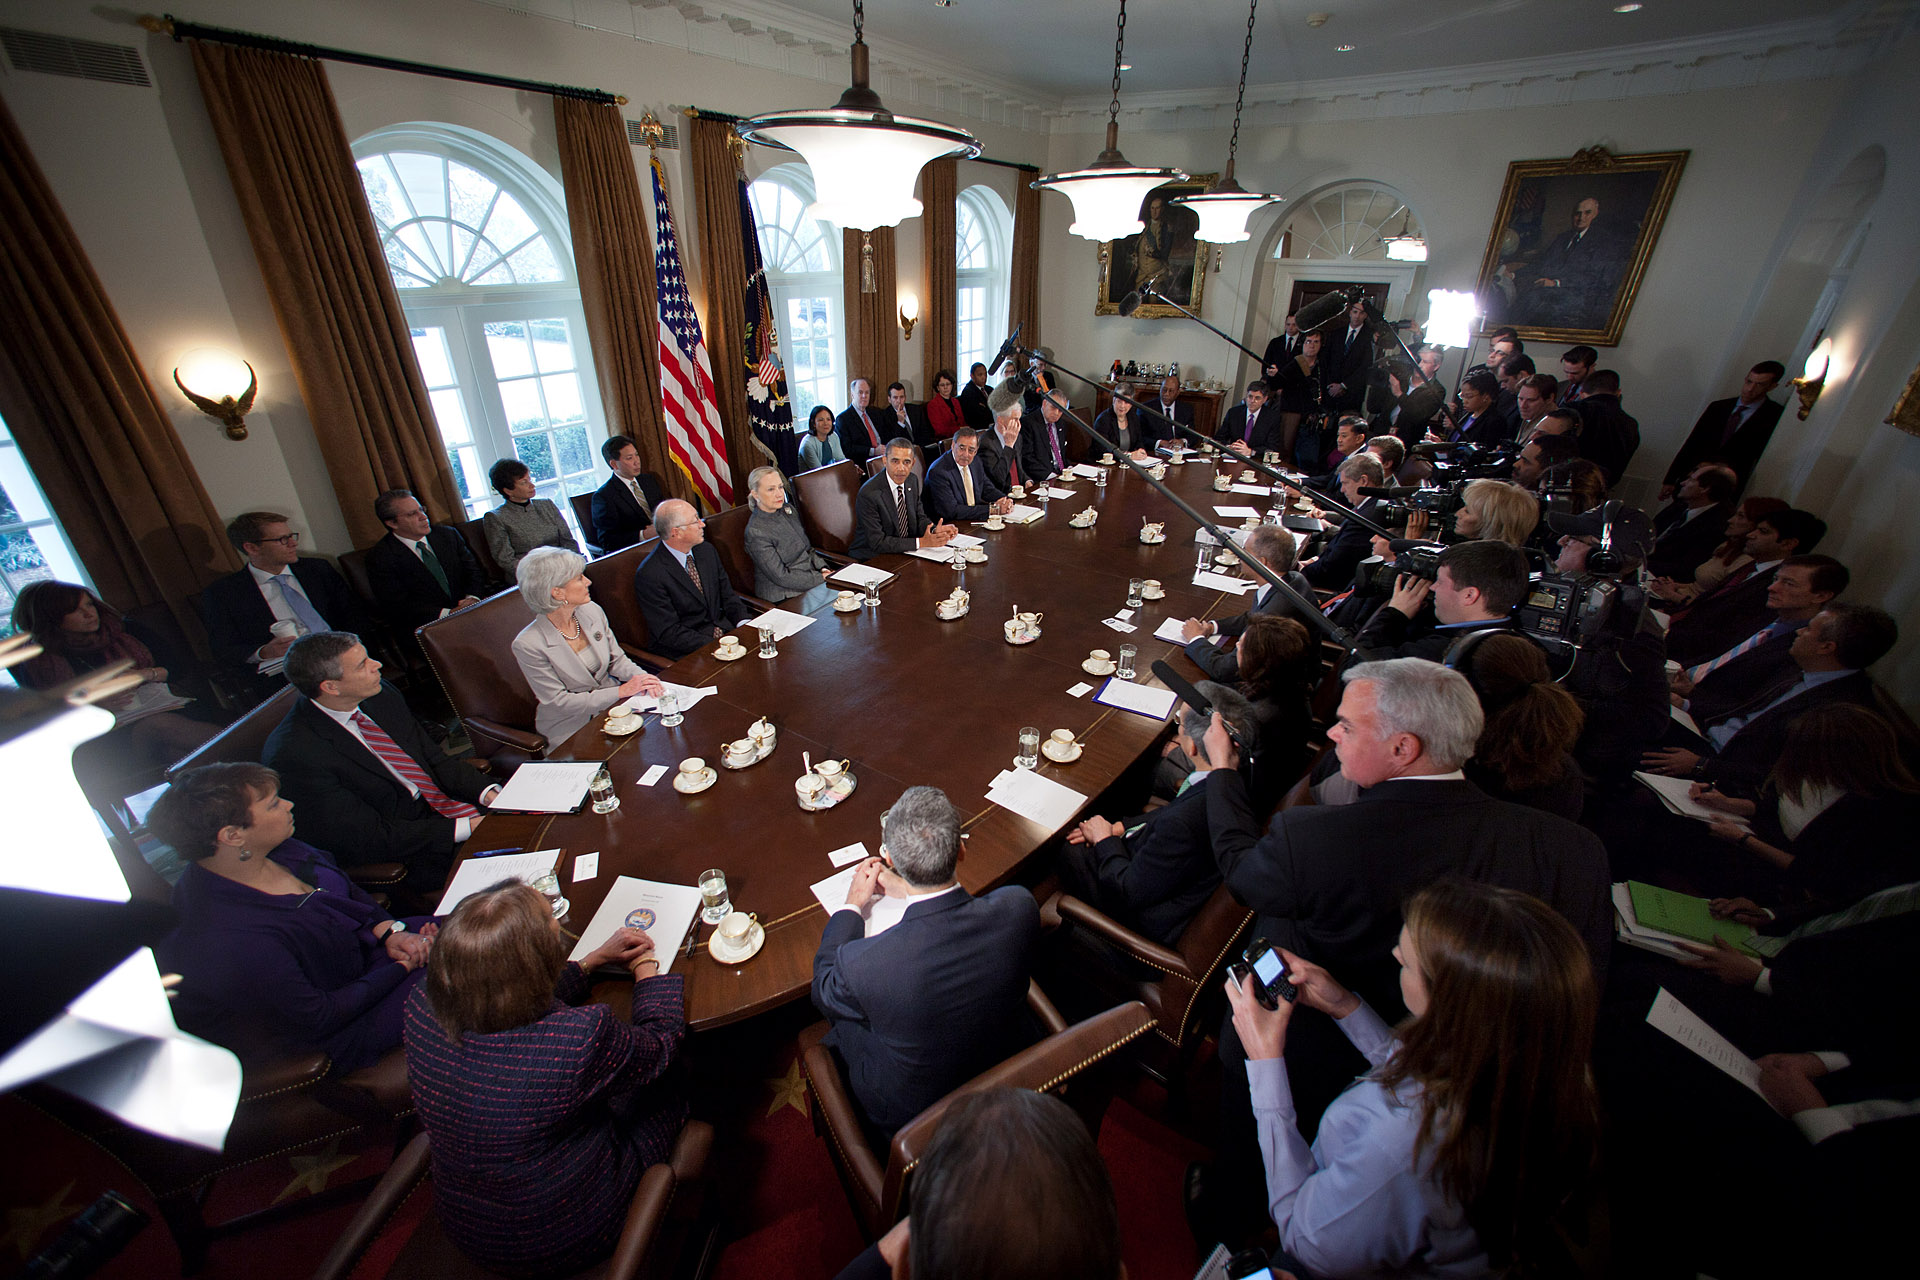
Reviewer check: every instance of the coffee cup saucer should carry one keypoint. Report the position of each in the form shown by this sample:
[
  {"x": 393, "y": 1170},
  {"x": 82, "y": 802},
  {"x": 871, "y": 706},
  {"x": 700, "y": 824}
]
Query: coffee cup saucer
[
  {"x": 734, "y": 654},
  {"x": 1093, "y": 668},
  {"x": 704, "y": 779},
  {"x": 634, "y": 723},
  {"x": 718, "y": 949},
  {"x": 1153, "y": 593},
  {"x": 1061, "y": 755},
  {"x": 1153, "y": 539},
  {"x": 839, "y": 607}
]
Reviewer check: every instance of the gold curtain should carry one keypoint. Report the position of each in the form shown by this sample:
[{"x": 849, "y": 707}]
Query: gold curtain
[
  {"x": 320, "y": 257},
  {"x": 723, "y": 267},
  {"x": 613, "y": 255},
  {"x": 87, "y": 421},
  {"x": 873, "y": 324},
  {"x": 1025, "y": 309},
  {"x": 939, "y": 306}
]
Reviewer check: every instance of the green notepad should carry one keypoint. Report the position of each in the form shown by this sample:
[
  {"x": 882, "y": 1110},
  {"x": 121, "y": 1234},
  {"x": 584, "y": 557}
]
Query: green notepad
[{"x": 1684, "y": 915}]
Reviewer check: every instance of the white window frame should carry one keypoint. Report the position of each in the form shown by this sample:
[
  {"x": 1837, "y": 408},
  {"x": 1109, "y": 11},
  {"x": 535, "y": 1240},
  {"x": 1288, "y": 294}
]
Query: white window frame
[
  {"x": 786, "y": 287},
  {"x": 993, "y": 277},
  {"x": 34, "y": 518}
]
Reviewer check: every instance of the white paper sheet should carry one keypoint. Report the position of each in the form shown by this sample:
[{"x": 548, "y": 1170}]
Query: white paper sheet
[
  {"x": 859, "y": 575},
  {"x": 1085, "y": 470},
  {"x": 882, "y": 915},
  {"x": 964, "y": 541},
  {"x": 1221, "y": 582},
  {"x": 1252, "y": 490},
  {"x": 1139, "y": 699},
  {"x": 1125, "y": 615},
  {"x": 1117, "y": 625},
  {"x": 585, "y": 867},
  {"x": 784, "y": 622},
  {"x": 1169, "y": 629},
  {"x": 1236, "y": 513},
  {"x": 149, "y": 700},
  {"x": 1685, "y": 1026},
  {"x": 1685, "y": 721},
  {"x": 654, "y": 773},
  {"x": 688, "y": 695},
  {"x": 664, "y": 912},
  {"x": 547, "y": 786},
  {"x": 1673, "y": 794},
  {"x": 846, "y": 857},
  {"x": 1080, "y": 690},
  {"x": 1023, "y": 514},
  {"x": 475, "y": 874},
  {"x": 1054, "y": 491},
  {"x": 939, "y": 555},
  {"x": 1038, "y": 798}
]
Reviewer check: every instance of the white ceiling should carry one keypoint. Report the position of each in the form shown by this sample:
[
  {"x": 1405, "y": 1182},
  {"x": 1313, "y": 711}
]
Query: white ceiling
[{"x": 1062, "y": 50}]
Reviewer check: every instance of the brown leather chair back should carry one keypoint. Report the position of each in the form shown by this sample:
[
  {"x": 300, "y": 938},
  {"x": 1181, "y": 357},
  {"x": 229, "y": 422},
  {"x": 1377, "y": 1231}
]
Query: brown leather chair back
[
  {"x": 878, "y": 464},
  {"x": 826, "y": 497},
  {"x": 727, "y": 531},
  {"x": 582, "y": 504},
  {"x": 471, "y": 652},
  {"x": 476, "y": 538},
  {"x": 243, "y": 741},
  {"x": 353, "y": 567},
  {"x": 612, "y": 579}
]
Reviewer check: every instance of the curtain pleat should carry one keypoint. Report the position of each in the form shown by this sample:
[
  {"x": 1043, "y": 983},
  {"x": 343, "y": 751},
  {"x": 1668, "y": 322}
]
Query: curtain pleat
[
  {"x": 873, "y": 323},
  {"x": 939, "y": 310},
  {"x": 1024, "y": 310},
  {"x": 723, "y": 267}
]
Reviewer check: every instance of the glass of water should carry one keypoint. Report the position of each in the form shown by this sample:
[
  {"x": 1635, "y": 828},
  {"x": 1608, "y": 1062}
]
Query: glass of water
[
  {"x": 670, "y": 708},
  {"x": 766, "y": 643},
  {"x": 1100, "y": 478},
  {"x": 1029, "y": 756},
  {"x": 1203, "y": 558},
  {"x": 1134, "y": 587},
  {"x": 715, "y": 902},
  {"x": 601, "y": 792},
  {"x": 873, "y": 591},
  {"x": 1125, "y": 669},
  {"x": 548, "y": 887}
]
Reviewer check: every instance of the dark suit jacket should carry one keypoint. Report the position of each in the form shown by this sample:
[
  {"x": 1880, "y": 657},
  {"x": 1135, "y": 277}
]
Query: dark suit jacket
[
  {"x": 1302, "y": 391},
  {"x": 239, "y": 621},
  {"x": 348, "y": 800},
  {"x": 918, "y": 429},
  {"x": 1141, "y": 433},
  {"x": 1180, "y": 411},
  {"x": 1346, "y": 363},
  {"x": 873, "y": 519},
  {"x": 1766, "y": 668},
  {"x": 1036, "y": 447},
  {"x": 994, "y": 457},
  {"x": 1609, "y": 435},
  {"x": 1333, "y": 569},
  {"x": 679, "y": 618},
  {"x": 1156, "y": 878},
  {"x": 1680, "y": 546},
  {"x": 947, "y": 500},
  {"x": 929, "y": 1004},
  {"x": 853, "y": 433},
  {"x": 408, "y": 594},
  {"x": 1389, "y": 633},
  {"x": 974, "y": 406},
  {"x": 1280, "y": 350},
  {"x": 618, "y": 520},
  {"x": 1719, "y": 619},
  {"x": 1214, "y": 654},
  {"x": 1266, "y": 427},
  {"x": 1750, "y": 755},
  {"x": 1329, "y": 881},
  {"x": 1742, "y": 453},
  {"x": 1487, "y": 428}
]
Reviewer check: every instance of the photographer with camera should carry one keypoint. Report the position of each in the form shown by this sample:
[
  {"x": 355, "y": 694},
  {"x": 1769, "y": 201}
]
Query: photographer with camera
[{"x": 1473, "y": 586}]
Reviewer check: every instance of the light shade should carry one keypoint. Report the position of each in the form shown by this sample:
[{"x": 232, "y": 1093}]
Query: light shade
[
  {"x": 1817, "y": 361},
  {"x": 1450, "y": 317},
  {"x": 1224, "y": 214},
  {"x": 864, "y": 163},
  {"x": 1106, "y": 198},
  {"x": 213, "y": 373}
]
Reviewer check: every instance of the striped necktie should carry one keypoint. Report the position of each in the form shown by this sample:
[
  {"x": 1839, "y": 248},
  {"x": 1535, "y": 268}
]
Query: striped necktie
[
  {"x": 1754, "y": 641},
  {"x": 407, "y": 767}
]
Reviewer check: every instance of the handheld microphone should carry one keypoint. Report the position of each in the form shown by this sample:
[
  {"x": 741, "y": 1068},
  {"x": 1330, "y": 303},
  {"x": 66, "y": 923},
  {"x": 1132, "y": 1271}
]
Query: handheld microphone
[{"x": 1006, "y": 349}]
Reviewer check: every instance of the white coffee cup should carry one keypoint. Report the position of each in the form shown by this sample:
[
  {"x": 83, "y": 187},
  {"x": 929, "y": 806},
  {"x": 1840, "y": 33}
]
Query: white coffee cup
[
  {"x": 692, "y": 767},
  {"x": 620, "y": 715},
  {"x": 729, "y": 643},
  {"x": 1099, "y": 655},
  {"x": 810, "y": 785},
  {"x": 996, "y": 521},
  {"x": 285, "y": 630},
  {"x": 1062, "y": 738},
  {"x": 1151, "y": 584},
  {"x": 845, "y": 598},
  {"x": 735, "y": 930},
  {"x": 1107, "y": 458},
  {"x": 740, "y": 748}
]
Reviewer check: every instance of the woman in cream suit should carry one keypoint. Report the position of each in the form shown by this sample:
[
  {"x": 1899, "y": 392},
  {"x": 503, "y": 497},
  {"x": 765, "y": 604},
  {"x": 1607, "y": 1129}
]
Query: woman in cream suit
[{"x": 568, "y": 654}]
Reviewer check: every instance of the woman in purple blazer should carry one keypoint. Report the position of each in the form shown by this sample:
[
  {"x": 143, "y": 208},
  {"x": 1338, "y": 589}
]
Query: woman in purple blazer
[
  {"x": 543, "y": 1110},
  {"x": 279, "y": 953}
]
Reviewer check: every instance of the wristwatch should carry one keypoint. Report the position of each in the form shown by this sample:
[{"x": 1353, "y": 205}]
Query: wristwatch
[{"x": 399, "y": 926}]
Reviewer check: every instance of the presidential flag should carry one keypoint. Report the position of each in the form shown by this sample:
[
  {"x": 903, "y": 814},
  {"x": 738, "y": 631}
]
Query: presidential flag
[
  {"x": 694, "y": 438},
  {"x": 767, "y": 404}
]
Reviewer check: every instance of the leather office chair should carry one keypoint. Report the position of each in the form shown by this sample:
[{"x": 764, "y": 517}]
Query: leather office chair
[
  {"x": 389, "y": 648},
  {"x": 879, "y": 464},
  {"x": 727, "y": 531},
  {"x": 471, "y": 653},
  {"x": 826, "y": 497},
  {"x": 665, "y": 1212},
  {"x": 1064, "y": 1063},
  {"x": 582, "y": 504},
  {"x": 476, "y": 537},
  {"x": 612, "y": 579}
]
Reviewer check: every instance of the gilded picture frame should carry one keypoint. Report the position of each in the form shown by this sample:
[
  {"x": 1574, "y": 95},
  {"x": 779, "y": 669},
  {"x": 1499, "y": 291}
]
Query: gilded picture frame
[
  {"x": 1571, "y": 241},
  {"x": 1165, "y": 246},
  {"x": 1906, "y": 410}
]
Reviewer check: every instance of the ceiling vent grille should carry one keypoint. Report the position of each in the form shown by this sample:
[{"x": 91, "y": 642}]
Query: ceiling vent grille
[
  {"x": 82, "y": 59},
  {"x": 670, "y": 143}
]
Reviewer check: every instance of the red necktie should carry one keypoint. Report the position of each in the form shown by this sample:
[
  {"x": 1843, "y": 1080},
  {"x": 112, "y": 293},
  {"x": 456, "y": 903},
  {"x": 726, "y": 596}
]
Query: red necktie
[
  {"x": 872, "y": 435},
  {"x": 407, "y": 767}
]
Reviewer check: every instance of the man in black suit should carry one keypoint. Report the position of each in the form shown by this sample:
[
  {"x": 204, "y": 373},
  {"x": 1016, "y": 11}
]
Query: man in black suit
[
  {"x": 1736, "y": 608},
  {"x": 1734, "y": 431},
  {"x": 958, "y": 487},
  {"x": 682, "y": 589},
  {"x": 278, "y": 588},
  {"x": 370, "y": 783},
  {"x": 1284, "y": 347},
  {"x": 926, "y": 1005},
  {"x": 1802, "y": 586},
  {"x": 1045, "y": 442},
  {"x": 888, "y": 516},
  {"x": 1477, "y": 586},
  {"x": 1514, "y": 373},
  {"x": 1039, "y": 380},
  {"x": 1332, "y": 569},
  {"x": 1253, "y": 425},
  {"x": 1347, "y": 351},
  {"x": 1576, "y": 363},
  {"x": 859, "y": 424},
  {"x": 1211, "y": 643},
  {"x": 1001, "y": 453},
  {"x": 623, "y": 507},
  {"x": 1173, "y": 408},
  {"x": 1152, "y": 873},
  {"x": 420, "y": 571},
  {"x": 1687, "y": 529},
  {"x": 973, "y": 399},
  {"x": 1572, "y": 281},
  {"x": 1609, "y": 435},
  {"x": 902, "y": 419}
]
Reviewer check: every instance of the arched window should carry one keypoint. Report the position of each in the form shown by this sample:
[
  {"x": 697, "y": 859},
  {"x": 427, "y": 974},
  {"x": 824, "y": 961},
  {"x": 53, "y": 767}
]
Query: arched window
[
  {"x": 983, "y": 236},
  {"x": 802, "y": 259},
  {"x": 33, "y": 547},
  {"x": 475, "y": 238},
  {"x": 1346, "y": 223}
]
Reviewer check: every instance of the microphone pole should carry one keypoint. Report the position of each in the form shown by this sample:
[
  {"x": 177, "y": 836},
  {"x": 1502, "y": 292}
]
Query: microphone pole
[
  {"x": 1148, "y": 291},
  {"x": 1309, "y": 608}
]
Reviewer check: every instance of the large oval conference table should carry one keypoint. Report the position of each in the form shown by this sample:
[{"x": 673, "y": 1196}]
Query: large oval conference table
[{"x": 908, "y": 699}]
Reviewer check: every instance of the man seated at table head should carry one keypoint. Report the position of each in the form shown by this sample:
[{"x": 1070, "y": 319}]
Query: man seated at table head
[
  {"x": 420, "y": 571},
  {"x": 1170, "y": 405},
  {"x": 623, "y": 506},
  {"x": 924, "y": 1006},
  {"x": 888, "y": 516},
  {"x": 1477, "y": 587},
  {"x": 1000, "y": 448},
  {"x": 253, "y": 616},
  {"x": 370, "y": 782},
  {"x": 1210, "y": 643},
  {"x": 859, "y": 423},
  {"x": 958, "y": 487},
  {"x": 683, "y": 592}
]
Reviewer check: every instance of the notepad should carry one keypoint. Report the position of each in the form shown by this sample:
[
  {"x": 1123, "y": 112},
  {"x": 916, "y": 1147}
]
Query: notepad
[
  {"x": 1236, "y": 513},
  {"x": 1683, "y": 916},
  {"x": 1023, "y": 514},
  {"x": 1252, "y": 490},
  {"x": 782, "y": 622},
  {"x": 881, "y": 915},
  {"x": 475, "y": 874},
  {"x": 859, "y": 575},
  {"x": 547, "y": 786},
  {"x": 1221, "y": 582},
  {"x": 1169, "y": 629},
  {"x": 1142, "y": 700},
  {"x": 1674, "y": 794},
  {"x": 1684, "y": 1025},
  {"x": 1034, "y": 797},
  {"x": 1054, "y": 491}
]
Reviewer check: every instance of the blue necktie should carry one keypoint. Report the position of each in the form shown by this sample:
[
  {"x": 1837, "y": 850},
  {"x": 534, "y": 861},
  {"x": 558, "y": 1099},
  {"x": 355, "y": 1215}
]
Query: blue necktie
[{"x": 303, "y": 611}]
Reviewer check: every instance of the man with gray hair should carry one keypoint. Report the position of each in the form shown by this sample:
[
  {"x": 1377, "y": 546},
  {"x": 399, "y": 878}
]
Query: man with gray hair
[
  {"x": 922, "y": 1005},
  {"x": 1332, "y": 569},
  {"x": 682, "y": 588},
  {"x": 1211, "y": 644},
  {"x": 1328, "y": 881},
  {"x": 1152, "y": 873},
  {"x": 1000, "y": 447}
]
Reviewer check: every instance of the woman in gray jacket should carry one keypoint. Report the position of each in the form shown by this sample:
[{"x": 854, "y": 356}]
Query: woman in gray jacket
[{"x": 785, "y": 565}]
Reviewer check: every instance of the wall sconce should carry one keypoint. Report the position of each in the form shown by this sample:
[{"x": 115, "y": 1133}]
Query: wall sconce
[
  {"x": 909, "y": 314},
  {"x": 222, "y": 386},
  {"x": 1813, "y": 379}
]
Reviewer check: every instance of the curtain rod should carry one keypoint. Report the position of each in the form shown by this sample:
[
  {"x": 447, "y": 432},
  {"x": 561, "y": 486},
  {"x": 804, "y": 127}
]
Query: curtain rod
[
  {"x": 169, "y": 25},
  {"x": 705, "y": 113}
]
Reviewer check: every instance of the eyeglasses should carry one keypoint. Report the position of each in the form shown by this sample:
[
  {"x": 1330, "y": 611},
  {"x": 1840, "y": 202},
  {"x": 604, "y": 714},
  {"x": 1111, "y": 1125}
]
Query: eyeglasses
[{"x": 285, "y": 539}]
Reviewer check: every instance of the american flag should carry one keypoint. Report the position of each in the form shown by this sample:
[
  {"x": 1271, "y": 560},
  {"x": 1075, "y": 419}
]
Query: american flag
[{"x": 694, "y": 438}]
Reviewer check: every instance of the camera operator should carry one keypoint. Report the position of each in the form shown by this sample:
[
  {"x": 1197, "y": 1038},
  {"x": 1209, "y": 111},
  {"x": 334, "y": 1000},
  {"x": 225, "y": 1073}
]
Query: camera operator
[{"x": 1474, "y": 587}]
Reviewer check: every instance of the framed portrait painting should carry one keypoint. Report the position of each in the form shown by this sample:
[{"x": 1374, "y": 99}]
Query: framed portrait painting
[
  {"x": 1163, "y": 251},
  {"x": 1571, "y": 240}
]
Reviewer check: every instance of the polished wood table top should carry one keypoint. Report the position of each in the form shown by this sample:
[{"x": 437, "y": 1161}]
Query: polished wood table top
[{"x": 908, "y": 699}]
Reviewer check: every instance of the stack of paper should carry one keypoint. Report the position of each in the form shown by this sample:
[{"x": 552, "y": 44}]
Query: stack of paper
[
  {"x": 1169, "y": 629},
  {"x": 547, "y": 786},
  {"x": 1142, "y": 700},
  {"x": 688, "y": 694},
  {"x": 782, "y": 622},
  {"x": 1023, "y": 514},
  {"x": 1055, "y": 491},
  {"x": 939, "y": 555},
  {"x": 1686, "y": 1026},
  {"x": 475, "y": 874},
  {"x": 1252, "y": 490},
  {"x": 1668, "y": 915},
  {"x": 1236, "y": 513},
  {"x": 881, "y": 916},
  {"x": 149, "y": 700},
  {"x": 965, "y": 541},
  {"x": 1085, "y": 470},
  {"x": 1221, "y": 582},
  {"x": 1675, "y": 794},
  {"x": 664, "y": 912},
  {"x": 1039, "y": 799},
  {"x": 859, "y": 575}
]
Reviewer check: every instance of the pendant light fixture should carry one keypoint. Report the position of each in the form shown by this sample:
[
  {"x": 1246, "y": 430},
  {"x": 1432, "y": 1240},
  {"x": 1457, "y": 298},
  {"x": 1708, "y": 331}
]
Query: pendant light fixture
[
  {"x": 865, "y": 160},
  {"x": 1405, "y": 247},
  {"x": 1226, "y": 206},
  {"x": 1107, "y": 194}
]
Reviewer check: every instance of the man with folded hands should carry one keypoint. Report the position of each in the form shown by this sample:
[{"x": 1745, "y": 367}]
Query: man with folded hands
[
  {"x": 888, "y": 515},
  {"x": 958, "y": 487}
]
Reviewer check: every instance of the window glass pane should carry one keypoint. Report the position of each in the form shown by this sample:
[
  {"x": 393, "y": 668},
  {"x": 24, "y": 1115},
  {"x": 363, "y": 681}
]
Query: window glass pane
[
  {"x": 427, "y": 258},
  {"x": 574, "y": 454},
  {"x": 507, "y": 348},
  {"x": 536, "y": 451},
  {"x": 534, "y": 264},
  {"x": 552, "y": 345},
  {"x": 521, "y": 400},
  {"x": 425, "y": 180},
  {"x": 473, "y": 195},
  {"x": 509, "y": 224},
  {"x": 430, "y": 349},
  {"x": 32, "y": 546},
  {"x": 450, "y": 415},
  {"x": 563, "y": 397}
]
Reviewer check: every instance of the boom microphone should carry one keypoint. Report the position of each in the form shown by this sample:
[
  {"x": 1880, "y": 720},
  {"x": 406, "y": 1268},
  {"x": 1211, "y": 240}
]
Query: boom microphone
[
  {"x": 1192, "y": 697},
  {"x": 1141, "y": 292},
  {"x": 1389, "y": 492},
  {"x": 1326, "y": 307},
  {"x": 1006, "y": 349}
]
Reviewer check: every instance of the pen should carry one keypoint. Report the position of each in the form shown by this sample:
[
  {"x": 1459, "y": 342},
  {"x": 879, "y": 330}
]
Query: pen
[{"x": 488, "y": 853}]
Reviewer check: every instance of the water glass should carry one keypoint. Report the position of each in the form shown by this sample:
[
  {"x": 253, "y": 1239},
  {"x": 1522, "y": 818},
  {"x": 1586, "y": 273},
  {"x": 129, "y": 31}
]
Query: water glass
[
  {"x": 1125, "y": 669},
  {"x": 1134, "y": 587},
  {"x": 1041, "y": 495},
  {"x": 1100, "y": 478},
  {"x": 1029, "y": 756},
  {"x": 670, "y": 708},
  {"x": 601, "y": 792},
  {"x": 873, "y": 592},
  {"x": 766, "y": 643},
  {"x": 715, "y": 902},
  {"x": 1203, "y": 559},
  {"x": 548, "y": 887}
]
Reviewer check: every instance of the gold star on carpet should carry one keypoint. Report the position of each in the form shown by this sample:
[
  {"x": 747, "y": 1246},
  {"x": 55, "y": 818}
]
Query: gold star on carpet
[
  {"x": 25, "y": 1226},
  {"x": 789, "y": 1090},
  {"x": 311, "y": 1172}
]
